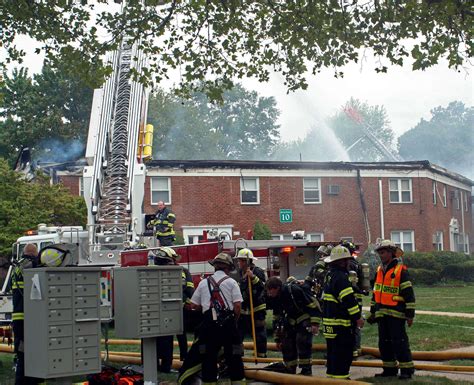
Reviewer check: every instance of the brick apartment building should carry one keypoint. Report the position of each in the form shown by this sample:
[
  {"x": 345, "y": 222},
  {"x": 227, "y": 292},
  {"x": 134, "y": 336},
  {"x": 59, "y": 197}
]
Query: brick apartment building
[{"x": 419, "y": 205}]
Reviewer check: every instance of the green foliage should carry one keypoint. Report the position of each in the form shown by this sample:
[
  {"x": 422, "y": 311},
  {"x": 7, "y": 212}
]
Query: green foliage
[
  {"x": 244, "y": 126},
  {"x": 261, "y": 231},
  {"x": 424, "y": 276},
  {"x": 445, "y": 139},
  {"x": 433, "y": 267},
  {"x": 48, "y": 113},
  {"x": 179, "y": 238},
  {"x": 23, "y": 205},
  {"x": 349, "y": 124},
  {"x": 462, "y": 272},
  {"x": 225, "y": 40}
]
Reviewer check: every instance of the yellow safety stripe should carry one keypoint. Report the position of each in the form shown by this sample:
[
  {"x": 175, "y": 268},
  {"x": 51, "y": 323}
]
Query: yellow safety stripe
[
  {"x": 312, "y": 305},
  {"x": 406, "y": 364},
  {"x": 389, "y": 312},
  {"x": 341, "y": 376},
  {"x": 190, "y": 284},
  {"x": 410, "y": 305},
  {"x": 359, "y": 296},
  {"x": 291, "y": 363},
  {"x": 395, "y": 273},
  {"x": 336, "y": 322},
  {"x": 301, "y": 318},
  {"x": 330, "y": 297},
  {"x": 18, "y": 316},
  {"x": 164, "y": 222},
  {"x": 329, "y": 335},
  {"x": 353, "y": 310},
  {"x": 255, "y": 280},
  {"x": 406, "y": 284},
  {"x": 166, "y": 233},
  {"x": 343, "y": 293},
  {"x": 171, "y": 215},
  {"x": 398, "y": 298},
  {"x": 191, "y": 371},
  {"x": 389, "y": 364},
  {"x": 304, "y": 361},
  {"x": 243, "y": 381},
  {"x": 261, "y": 307},
  {"x": 18, "y": 285}
]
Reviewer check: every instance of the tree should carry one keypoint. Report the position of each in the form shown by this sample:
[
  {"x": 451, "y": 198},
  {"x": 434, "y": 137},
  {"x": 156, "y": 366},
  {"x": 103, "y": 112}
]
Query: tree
[
  {"x": 48, "y": 112},
  {"x": 261, "y": 231},
  {"x": 446, "y": 139},
  {"x": 242, "y": 127},
  {"x": 23, "y": 205},
  {"x": 348, "y": 125},
  {"x": 214, "y": 42}
]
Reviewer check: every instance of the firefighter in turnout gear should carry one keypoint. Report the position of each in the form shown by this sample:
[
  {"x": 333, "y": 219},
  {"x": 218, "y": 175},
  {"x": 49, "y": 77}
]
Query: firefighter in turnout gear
[
  {"x": 296, "y": 315},
  {"x": 393, "y": 306},
  {"x": 29, "y": 259},
  {"x": 248, "y": 270},
  {"x": 356, "y": 279},
  {"x": 164, "y": 225},
  {"x": 219, "y": 298},
  {"x": 341, "y": 313},
  {"x": 315, "y": 277}
]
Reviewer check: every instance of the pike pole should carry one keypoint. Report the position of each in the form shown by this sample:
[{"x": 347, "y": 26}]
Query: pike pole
[{"x": 252, "y": 314}]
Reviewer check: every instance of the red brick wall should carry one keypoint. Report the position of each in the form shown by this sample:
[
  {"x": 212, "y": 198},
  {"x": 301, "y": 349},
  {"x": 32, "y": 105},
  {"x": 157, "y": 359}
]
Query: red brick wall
[{"x": 215, "y": 200}]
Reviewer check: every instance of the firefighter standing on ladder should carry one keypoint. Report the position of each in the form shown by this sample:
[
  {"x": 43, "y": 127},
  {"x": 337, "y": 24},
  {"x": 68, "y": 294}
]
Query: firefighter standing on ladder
[
  {"x": 164, "y": 225},
  {"x": 393, "y": 305}
]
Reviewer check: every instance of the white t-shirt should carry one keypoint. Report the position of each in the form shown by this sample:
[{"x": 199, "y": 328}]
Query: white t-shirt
[{"x": 229, "y": 290}]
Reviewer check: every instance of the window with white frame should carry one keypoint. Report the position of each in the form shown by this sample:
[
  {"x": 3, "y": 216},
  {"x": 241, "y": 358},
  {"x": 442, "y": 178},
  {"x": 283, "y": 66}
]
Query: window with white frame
[
  {"x": 400, "y": 190},
  {"x": 445, "y": 200},
  {"x": 249, "y": 191},
  {"x": 160, "y": 190},
  {"x": 438, "y": 240},
  {"x": 315, "y": 237},
  {"x": 81, "y": 186},
  {"x": 312, "y": 190},
  {"x": 466, "y": 202},
  {"x": 282, "y": 237},
  {"x": 404, "y": 239},
  {"x": 434, "y": 192},
  {"x": 457, "y": 199}
]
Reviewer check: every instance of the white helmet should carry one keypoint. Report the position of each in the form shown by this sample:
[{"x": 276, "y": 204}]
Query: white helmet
[
  {"x": 388, "y": 244},
  {"x": 246, "y": 254},
  {"x": 338, "y": 252}
]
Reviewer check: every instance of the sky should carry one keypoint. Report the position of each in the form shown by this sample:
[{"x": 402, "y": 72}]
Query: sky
[{"x": 406, "y": 95}]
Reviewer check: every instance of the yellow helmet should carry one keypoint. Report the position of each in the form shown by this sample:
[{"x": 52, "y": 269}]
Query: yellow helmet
[
  {"x": 52, "y": 256},
  {"x": 246, "y": 254}
]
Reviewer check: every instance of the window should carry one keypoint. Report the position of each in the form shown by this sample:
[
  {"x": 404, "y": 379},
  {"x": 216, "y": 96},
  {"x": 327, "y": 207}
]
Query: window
[
  {"x": 444, "y": 196},
  {"x": 81, "y": 186},
  {"x": 249, "y": 191},
  {"x": 400, "y": 190},
  {"x": 282, "y": 237},
  {"x": 466, "y": 202},
  {"x": 348, "y": 239},
  {"x": 312, "y": 190},
  {"x": 457, "y": 199},
  {"x": 434, "y": 192},
  {"x": 404, "y": 239},
  {"x": 160, "y": 190},
  {"x": 315, "y": 237},
  {"x": 438, "y": 241}
]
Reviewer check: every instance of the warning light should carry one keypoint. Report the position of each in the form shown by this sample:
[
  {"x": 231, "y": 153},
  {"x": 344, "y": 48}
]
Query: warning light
[
  {"x": 287, "y": 249},
  {"x": 30, "y": 232}
]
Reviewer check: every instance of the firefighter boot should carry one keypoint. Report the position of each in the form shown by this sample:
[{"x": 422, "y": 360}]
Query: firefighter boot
[{"x": 306, "y": 371}]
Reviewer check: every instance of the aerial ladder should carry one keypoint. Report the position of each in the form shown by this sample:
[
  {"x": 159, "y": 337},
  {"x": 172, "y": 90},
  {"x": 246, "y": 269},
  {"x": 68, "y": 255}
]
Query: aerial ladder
[{"x": 115, "y": 176}]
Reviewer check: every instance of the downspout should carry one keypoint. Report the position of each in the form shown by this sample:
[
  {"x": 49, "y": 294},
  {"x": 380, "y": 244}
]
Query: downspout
[
  {"x": 364, "y": 208},
  {"x": 382, "y": 225},
  {"x": 462, "y": 222}
]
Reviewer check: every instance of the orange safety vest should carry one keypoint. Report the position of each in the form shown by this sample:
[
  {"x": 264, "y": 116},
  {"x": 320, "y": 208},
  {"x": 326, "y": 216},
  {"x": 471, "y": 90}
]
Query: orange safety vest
[{"x": 387, "y": 288}]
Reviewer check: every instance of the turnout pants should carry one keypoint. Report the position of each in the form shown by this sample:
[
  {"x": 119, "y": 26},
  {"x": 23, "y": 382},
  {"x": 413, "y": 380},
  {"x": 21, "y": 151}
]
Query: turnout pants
[
  {"x": 164, "y": 353},
  {"x": 245, "y": 329},
  {"x": 394, "y": 346},
  {"x": 339, "y": 353},
  {"x": 167, "y": 240},
  {"x": 203, "y": 355},
  {"x": 18, "y": 346},
  {"x": 296, "y": 346}
]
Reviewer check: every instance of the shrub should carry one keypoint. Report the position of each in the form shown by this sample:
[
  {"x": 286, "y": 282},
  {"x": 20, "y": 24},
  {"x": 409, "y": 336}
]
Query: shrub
[
  {"x": 261, "y": 231},
  {"x": 424, "y": 276},
  {"x": 426, "y": 261},
  {"x": 462, "y": 272}
]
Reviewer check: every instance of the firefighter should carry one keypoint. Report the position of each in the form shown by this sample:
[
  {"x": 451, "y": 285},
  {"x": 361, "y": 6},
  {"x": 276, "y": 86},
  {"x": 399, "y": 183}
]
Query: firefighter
[
  {"x": 188, "y": 291},
  {"x": 29, "y": 259},
  {"x": 164, "y": 224},
  {"x": 356, "y": 279},
  {"x": 164, "y": 344},
  {"x": 248, "y": 270},
  {"x": 296, "y": 317},
  {"x": 340, "y": 313},
  {"x": 315, "y": 277},
  {"x": 393, "y": 306},
  {"x": 219, "y": 298}
]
